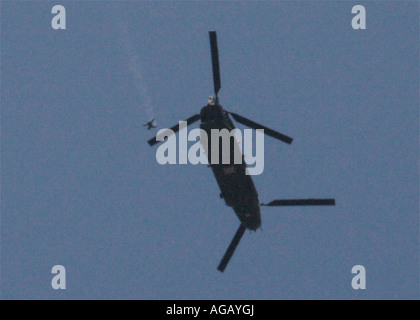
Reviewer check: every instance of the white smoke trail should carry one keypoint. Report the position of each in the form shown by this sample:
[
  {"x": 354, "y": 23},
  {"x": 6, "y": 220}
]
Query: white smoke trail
[{"x": 136, "y": 69}]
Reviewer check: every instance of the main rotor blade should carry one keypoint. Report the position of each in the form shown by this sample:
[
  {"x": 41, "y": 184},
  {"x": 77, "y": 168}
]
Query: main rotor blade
[
  {"x": 215, "y": 61},
  {"x": 301, "y": 202},
  {"x": 267, "y": 131},
  {"x": 174, "y": 129},
  {"x": 229, "y": 253}
]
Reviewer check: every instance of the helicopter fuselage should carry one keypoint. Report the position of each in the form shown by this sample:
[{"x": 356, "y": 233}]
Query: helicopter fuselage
[{"x": 237, "y": 188}]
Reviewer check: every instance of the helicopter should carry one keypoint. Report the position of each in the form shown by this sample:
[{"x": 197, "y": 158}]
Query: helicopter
[
  {"x": 237, "y": 188},
  {"x": 150, "y": 124}
]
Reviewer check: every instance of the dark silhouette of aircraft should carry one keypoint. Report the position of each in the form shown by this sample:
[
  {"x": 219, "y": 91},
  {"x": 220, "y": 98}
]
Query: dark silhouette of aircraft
[
  {"x": 237, "y": 188},
  {"x": 150, "y": 124}
]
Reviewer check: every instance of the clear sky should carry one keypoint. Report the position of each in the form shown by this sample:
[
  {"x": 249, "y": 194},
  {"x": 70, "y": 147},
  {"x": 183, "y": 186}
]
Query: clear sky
[{"x": 80, "y": 187}]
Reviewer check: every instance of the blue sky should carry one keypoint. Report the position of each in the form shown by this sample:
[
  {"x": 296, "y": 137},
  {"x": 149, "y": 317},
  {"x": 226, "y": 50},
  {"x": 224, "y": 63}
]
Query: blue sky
[{"x": 82, "y": 188}]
